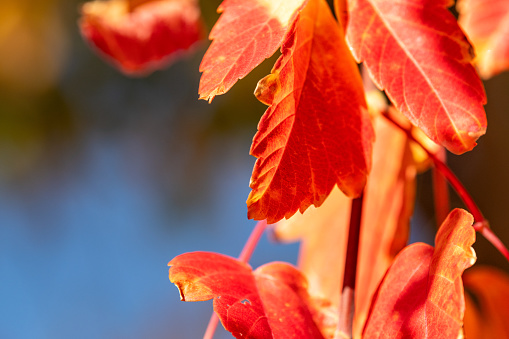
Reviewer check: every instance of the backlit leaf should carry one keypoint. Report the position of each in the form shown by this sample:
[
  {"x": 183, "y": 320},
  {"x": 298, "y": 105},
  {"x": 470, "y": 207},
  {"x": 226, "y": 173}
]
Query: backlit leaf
[
  {"x": 487, "y": 317},
  {"x": 388, "y": 206},
  {"x": 417, "y": 53},
  {"x": 422, "y": 294},
  {"x": 142, "y": 39},
  {"x": 486, "y": 23},
  {"x": 270, "y": 302},
  {"x": 247, "y": 33},
  {"x": 317, "y": 132}
]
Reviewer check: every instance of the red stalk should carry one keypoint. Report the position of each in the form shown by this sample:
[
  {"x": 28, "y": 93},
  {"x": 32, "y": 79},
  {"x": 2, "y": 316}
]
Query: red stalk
[
  {"x": 488, "y": 234},
  {"x": 481, "y": 225},
  {"x": 244, "y": 256},
  {"x": 346, "y": 303}
]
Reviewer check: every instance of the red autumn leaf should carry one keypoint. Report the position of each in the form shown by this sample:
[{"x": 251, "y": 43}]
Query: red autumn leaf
[
  {"x": 422, "y": 294},
  {"x": 317, "y": 132},
  {"x": 142, "y": 39},
  {"x": 486, "y": 23},
  {"x": 487, "y": 317},
  {"x": 417, "y": 53},
  {"x": 247, "y": 33},
  {"x": 388, "y": 206},
  {"x": 270, "y": 302}
]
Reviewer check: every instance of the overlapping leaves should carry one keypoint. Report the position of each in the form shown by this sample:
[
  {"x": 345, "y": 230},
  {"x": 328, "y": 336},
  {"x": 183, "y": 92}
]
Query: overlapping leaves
[
  {"x": 317, "y": 132},
  {"x": 421, "y": 293},
  {"x": 270, "y": 302},
  {"x": 247, "y": 33},
  {"x": 388, "y": 206}
]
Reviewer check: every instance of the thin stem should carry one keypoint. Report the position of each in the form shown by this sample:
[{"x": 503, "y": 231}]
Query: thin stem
[
  {"x": 244, "y": 256},
  {"x": 440, "y": 190},
  {"x": 253, "y": 240},
  {"x": 481, "y": 225},
  {"x": 492, "y": 238},
  {"x": 347, "y": 300},
  {"x": 446, "y": 172},
  {"x": 212, "y": 326}
]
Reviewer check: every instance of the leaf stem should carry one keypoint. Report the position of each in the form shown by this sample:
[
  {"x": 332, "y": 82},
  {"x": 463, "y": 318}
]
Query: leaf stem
[
  {"x": 252, "y": 241},
  {"x": 244, "y": 256},
  {"x": 487, "y": 233},
  {"x": 347, "y": 300},
  {"x": 212, "y": 326},
  {"x": 481, "y": 225}
]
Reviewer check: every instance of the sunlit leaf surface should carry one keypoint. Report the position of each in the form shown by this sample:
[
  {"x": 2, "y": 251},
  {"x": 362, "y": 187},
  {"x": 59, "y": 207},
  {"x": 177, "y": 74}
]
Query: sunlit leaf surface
[
  {"x": 317, "y": 132},
  {"x": 416, "y": 52},
  {"x": 247, "y": 33},
  {"x": 422, "y": 294}
]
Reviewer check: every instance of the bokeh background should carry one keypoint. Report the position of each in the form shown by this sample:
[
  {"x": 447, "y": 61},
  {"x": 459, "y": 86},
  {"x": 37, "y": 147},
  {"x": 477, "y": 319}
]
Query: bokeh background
[{"x": 105, "y": 178}]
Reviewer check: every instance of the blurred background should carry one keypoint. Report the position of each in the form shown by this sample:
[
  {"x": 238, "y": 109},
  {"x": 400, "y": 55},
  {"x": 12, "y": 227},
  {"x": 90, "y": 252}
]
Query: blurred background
[{"x": 105, "y": 178}]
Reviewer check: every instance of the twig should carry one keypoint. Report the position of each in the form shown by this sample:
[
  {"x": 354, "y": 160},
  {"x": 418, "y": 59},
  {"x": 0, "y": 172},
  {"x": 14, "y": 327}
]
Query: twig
[
  {"x": 347, "y": 300},
  {"x": 481, "y": 225}
]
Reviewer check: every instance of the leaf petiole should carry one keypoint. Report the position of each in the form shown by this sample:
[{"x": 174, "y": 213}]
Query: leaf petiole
[
  {"x": 481, "y": 225},
  {"x": 347, "y": 300}
]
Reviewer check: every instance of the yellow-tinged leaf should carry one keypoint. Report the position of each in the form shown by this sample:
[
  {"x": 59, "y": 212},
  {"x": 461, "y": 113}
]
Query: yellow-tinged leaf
[
  {"x": 247, "y": 33},
  {"x": 486, "y": 23},
  {"x": 422, "y": 294}
]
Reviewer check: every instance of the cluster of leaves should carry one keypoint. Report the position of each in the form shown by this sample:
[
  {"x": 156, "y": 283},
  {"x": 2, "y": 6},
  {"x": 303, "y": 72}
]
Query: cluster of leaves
[{"x": 336, "y": 165}]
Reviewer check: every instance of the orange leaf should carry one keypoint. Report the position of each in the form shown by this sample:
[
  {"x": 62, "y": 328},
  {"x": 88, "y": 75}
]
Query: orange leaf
[
  {"x": 486, "y": 23},
  {"x": 247, "y": 33},
  {"x": 417, "y": 53},
  {"x": 323, "y": 233},
  {"x": 271, "y": 302},
  {"x": 388, "y": 205},
  {"x": 142, "y": 39},
  {"x": 422, "y": 294},
  {"x": 317, "y": 132},
  {"x": 487, "y": 317}
]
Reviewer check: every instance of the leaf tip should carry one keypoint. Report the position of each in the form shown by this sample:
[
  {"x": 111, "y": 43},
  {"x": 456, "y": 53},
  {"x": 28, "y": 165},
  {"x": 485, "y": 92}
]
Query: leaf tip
[
  {"x": 466, "y": 140},
  {"x": 210, "y": 94}
]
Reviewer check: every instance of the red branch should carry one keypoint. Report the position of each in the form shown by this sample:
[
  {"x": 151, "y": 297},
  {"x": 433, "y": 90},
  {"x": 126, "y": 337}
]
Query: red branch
[
  {"x": 346, "y": 304},
  {"x": 481, "y": 225},
  {"x": 244, "y": 256}
]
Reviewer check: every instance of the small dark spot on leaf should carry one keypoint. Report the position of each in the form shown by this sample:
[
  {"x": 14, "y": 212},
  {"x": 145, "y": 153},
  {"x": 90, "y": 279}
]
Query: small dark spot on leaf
[{"x": 246, "y": 302}]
